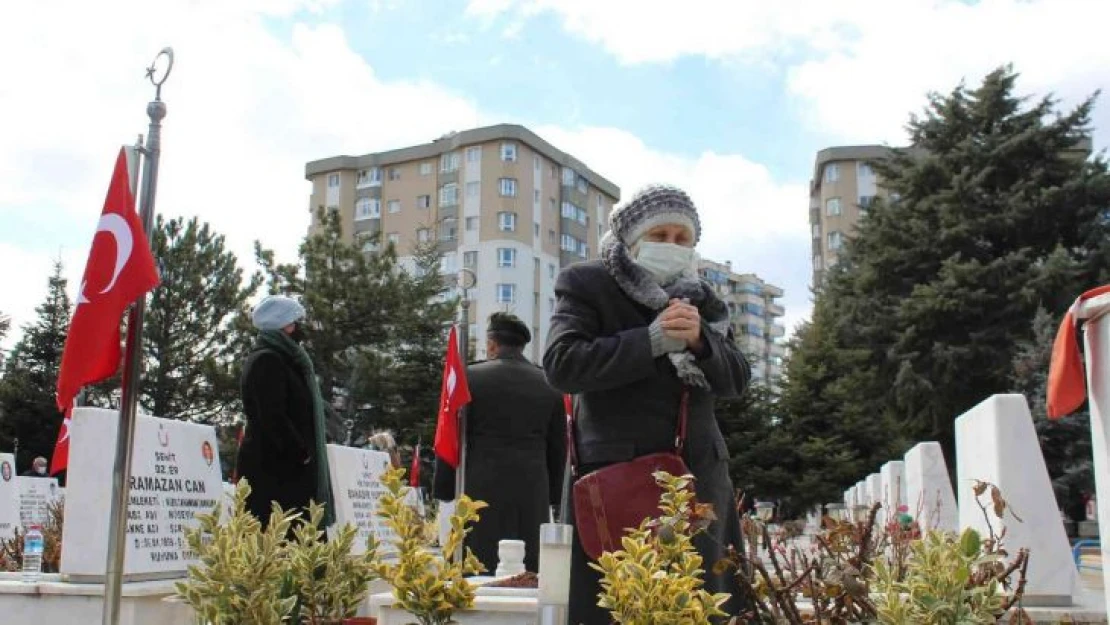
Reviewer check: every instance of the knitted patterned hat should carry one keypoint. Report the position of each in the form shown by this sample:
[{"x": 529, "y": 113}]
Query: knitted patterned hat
[
  {"x": 653, "y": 206},
  {"x": 276, "y": 312}
]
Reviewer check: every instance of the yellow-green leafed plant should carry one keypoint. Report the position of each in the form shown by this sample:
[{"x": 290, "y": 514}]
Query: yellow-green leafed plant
[
  {"x": 427, "y": 586},
  {"x": 330, "y": 582},
  {"x": 242, "y": 575},
  {"x": 656, "y": 578},
  {"x": 939, "y": 586}
]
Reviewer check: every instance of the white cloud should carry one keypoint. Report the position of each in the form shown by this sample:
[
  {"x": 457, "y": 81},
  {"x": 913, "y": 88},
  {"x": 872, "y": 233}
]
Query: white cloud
[{"x": 858, "y": 68}]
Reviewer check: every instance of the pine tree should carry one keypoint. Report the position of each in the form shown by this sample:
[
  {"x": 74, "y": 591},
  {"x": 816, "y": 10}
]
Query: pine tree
[
  {"x": 1066, "y": 443},
  {"x": 762, "y": 458},
  {"x": 28, "y": 410},
  {"x": 193, "y": 339},
  {"x": 994, "y": 211},
  {"x": 5, "y": 326}
]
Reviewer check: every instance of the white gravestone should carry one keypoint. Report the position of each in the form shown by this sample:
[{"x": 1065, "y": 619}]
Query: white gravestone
[
  {"x": 175, "y": 475},
  {"x": 894, "y": 486},
  {"x": 874, "y": 486},
  {"x": 1097, "y": 355},
  {"x": 850, "y": 497},
  {"x": 35, "y": 496},
  {"x": 9, "y": 497},
  {"x": 929, "y": 489},
  {"x": 356, "y": 484},
  {"x": 863, "y": 496},
  {"x": 996, "y": 443}
]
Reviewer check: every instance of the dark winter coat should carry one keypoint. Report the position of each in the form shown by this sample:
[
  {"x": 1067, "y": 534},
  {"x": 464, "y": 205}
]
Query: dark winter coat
[
  {"x": 277, "y": 453},
  {"x": 626, "y": 405},
  {"x": 516, "y": 450}
]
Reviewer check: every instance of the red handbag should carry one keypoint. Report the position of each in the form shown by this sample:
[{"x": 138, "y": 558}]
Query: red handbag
[{"x": 618, "y": 497}]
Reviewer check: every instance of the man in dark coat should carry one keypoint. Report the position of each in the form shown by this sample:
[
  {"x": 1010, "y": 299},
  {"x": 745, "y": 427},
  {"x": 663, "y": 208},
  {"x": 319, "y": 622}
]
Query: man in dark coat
[
  {"x": 629, "y": 332},
  {"x": 515, "y": 445},
  {"x": 282, "y": 453}
]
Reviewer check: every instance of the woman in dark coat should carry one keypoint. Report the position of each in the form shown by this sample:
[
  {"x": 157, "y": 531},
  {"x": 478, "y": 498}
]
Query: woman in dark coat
[
  {"x": 283, "y": 454},
  {"x": 629, "y": 332}
]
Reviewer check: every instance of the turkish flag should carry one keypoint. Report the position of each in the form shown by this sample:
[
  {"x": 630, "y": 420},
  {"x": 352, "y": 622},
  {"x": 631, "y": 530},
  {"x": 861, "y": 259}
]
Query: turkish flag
[
  {"x": 119, "y": 271},
  {"x": 414, "y": 472},
  {"x": 60, "y": 460},
  {"x": 453, "y": 395}
]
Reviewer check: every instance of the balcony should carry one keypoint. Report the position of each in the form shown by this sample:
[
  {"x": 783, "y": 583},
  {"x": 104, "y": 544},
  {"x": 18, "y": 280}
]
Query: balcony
[
  {"x": 775, "y": 310},
  {"x": 777, "y": 330}
]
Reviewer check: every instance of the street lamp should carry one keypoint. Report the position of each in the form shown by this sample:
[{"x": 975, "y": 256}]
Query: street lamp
[{"x": 466, "y": 281}]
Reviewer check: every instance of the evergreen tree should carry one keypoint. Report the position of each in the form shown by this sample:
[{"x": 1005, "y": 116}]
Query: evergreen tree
[
  {"x": 193, "y": 338},
  {"x": 1065, "y": 443},
  {"x": 762, "y": 457},
  {"x": 993, "y": 211},
  {"x": 5, "y": 326},
  {"x": 28, "y": 410}
]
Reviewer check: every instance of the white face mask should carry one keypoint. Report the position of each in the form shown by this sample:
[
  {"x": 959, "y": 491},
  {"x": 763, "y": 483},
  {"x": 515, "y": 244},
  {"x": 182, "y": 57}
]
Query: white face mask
[{"x": 664, "y": 261}]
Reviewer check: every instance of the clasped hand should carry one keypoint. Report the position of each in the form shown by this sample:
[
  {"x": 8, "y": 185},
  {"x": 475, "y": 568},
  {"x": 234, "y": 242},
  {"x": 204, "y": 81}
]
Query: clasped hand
[{"x": 681, "y": 320}]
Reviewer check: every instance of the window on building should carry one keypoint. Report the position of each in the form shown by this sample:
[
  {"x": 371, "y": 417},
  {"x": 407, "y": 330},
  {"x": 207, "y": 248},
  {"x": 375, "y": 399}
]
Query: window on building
[
  {"x": 449, "y": 162},
  {"x": 832, "y": 172},
  {"x": 394, "y": 206},
  {"x": 423, "y": 235},
  {"x": 568, "y": 177},
  {"x": 508, "y": 151},
  {"x": 816, "y": 231},
  {"x": 506, "y": 257},
  {"x": 473, "y": 189},
  {"x": 568, "y": 243},
  {"x": 551, "y": 270},
  {"x": 471, "y": 224},
  {"x": 506, "y": 221},
  {"x": 333, "y": 180},
  {"x": 583, "y": 251},
  {"x": 551, "y": 236},
  {"x": 368, "y": 208},
  {"x": 536, "y": 165},
  {"x": 449, "y": 263},
  {"x": 506, "y": 293},
  {"x": 536, "y": 265},
  {"x": 394, "y": 173},
  {"x": 423, "y": 201},
  {"x": 507, "y": 187},
  {"x": 863, "y": 170},
  {"x": 554, "y": 204},
  {"x": 369, "y": 177},
  {"x": 425, "y": 169},
  {"x": 470, "y": 259},
  {"x": 474, "y": 154},
  {"x": 581, "y": 184},
  {"x": 449, "y": 231},
  {"x": 393, "y": 238},
  {"x": 817, "y": 264},
  {"x": 832, "y": 207},
  {"x": 536, "y": 198},
  {"x": 370, "y": 245},
  {"x": 835, "y": 240},
  {"x": 865, "y": 202},
  {"x": 536, "y": 230},
  {"x": 449, "y": 194}
]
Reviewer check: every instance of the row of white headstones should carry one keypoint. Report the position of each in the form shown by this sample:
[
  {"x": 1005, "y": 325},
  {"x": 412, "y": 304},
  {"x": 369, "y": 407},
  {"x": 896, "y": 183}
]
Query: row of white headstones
[{"x": 996, "y": 443}]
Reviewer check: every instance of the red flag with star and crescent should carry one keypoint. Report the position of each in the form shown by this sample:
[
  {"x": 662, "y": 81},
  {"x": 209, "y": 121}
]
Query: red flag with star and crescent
[
  {"x": 119, "y": 271},
  {"x": 454, "y": 393}
]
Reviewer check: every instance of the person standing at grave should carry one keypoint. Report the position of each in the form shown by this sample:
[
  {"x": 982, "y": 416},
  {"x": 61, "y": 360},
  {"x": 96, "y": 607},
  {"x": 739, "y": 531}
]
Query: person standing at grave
[
  {"x": 633, "y": 334},
  {"x": 38, "y": 468},
  {"x": 515, "y": 445},
  {"x": 283, "y": 455}
]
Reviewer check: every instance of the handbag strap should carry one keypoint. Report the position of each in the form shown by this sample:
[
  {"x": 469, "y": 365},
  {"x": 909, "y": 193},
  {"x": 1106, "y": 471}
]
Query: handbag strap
[{"x": 679, "y": 435}]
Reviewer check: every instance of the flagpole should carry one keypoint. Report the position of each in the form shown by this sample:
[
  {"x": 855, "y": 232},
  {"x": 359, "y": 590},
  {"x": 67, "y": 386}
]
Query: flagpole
[
  {"x": 466, "y": 281},
  {"x": 133, "y": 363}
]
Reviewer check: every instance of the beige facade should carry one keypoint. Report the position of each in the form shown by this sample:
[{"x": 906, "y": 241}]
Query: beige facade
[
  {"x": 499, "y": 201},
  {"x": 755, "y": 314}
]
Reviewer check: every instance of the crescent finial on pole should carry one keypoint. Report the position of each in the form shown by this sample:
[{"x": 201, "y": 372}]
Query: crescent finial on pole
[{"x": 152, "y": 71}]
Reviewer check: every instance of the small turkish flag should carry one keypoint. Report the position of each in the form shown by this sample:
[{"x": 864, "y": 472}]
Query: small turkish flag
[
  {"x": 414, "y": 472},
  {"x": 453, "y": 395},
  {"x": 119, "y": 271},
  {"x": 59, "y": 461}
]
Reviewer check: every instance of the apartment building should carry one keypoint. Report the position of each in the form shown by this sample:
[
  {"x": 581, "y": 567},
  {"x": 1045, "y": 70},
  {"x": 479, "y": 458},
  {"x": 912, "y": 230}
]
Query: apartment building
[
  {"x": 498, "y": 201},
  {"x": 755, "y": 315}
]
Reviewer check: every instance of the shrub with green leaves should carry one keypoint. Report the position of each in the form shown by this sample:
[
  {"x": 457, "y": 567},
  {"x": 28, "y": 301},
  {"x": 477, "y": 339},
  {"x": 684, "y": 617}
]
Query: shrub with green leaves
[
  {"x": 242, "y": 576},
  {"x": 656, "y": 578},
  {"x": 429, "y": 587}
]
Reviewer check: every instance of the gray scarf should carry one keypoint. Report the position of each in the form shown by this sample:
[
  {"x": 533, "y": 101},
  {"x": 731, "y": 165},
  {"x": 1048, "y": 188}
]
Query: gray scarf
[{"x": 643, "y": 288}]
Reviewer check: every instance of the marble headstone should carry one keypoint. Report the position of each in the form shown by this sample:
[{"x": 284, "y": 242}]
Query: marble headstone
[
  {"x": 996, "y": 443},
  {"x": 1097, "y": 354},
  {"x": 35, "y": 496},
  {"x": 874, "y": 485},
  {"x": 356, "y": 482},
  {"x": 9, "y": 496},
  {"x": 894, "y": 486},
  {"x": 929, "y": 489},
  {"x": 175, "y": 475}
]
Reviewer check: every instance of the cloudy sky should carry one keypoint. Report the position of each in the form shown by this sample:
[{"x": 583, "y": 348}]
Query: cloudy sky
[{"x": 727, "y": 98}]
